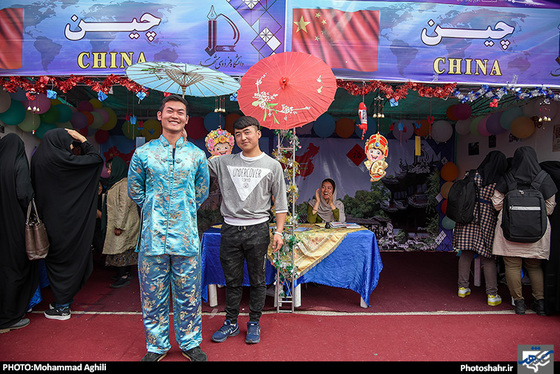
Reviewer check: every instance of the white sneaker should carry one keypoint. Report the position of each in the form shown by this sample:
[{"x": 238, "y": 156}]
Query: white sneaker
[
  {"x": 464, "y": 292},
  {"x": 494, "y": 300}
]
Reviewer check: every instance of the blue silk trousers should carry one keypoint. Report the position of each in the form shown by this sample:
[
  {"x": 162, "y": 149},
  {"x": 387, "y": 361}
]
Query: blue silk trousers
[{"x": 163, "y": 276}]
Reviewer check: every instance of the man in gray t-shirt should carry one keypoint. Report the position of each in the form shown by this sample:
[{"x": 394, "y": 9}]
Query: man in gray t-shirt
[{"x": 248, "y": 182}]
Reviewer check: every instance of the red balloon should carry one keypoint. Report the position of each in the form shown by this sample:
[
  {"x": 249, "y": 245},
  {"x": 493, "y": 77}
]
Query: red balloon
[
  {"x": 195, "y": 128},
  {"x": 101, "y": 136}
]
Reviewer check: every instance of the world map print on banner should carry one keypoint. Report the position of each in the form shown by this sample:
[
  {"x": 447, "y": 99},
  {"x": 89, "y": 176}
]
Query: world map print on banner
[
  {"x": 471, "y": 42},
  {"x": 91, "y": 37}
]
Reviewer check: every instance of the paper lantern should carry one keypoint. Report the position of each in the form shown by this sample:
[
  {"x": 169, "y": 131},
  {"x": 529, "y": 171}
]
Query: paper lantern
[
  {"x": 463, "y": 126},
  {"x": 5, "y": 100},
  {"x": 424, "y": 128},
  {"x": 509, "y": 115},
  {"x": 15, "y": 113},
  {"x": 449, "y": 172},
  {"x": 450, "y": 113},
  {"x": 195, "y": 128},
  {"x": 442, "y": 131},
  {"x": 31, "y": 122},
  {"x": 482, "y": 130},
  {"x": 324, "y": 125},
  {"x": 462, "y": 111},
  {"x": 344, "y": 127},
  {"x": 152, "y": 129},
  {"x": 447, "y": 223},
  {"x": 444, "y": 189},
  {"x": 522, "y": 127},
  {"x": 493, "y": 124}
]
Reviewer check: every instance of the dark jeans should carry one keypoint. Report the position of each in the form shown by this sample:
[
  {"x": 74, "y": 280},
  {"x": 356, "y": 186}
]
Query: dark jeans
[{"x": 239, "y": 244}]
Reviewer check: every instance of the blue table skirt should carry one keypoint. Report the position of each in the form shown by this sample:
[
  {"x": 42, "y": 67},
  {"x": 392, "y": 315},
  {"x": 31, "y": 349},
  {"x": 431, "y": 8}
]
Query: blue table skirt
[{"x": 355, "y": 264}]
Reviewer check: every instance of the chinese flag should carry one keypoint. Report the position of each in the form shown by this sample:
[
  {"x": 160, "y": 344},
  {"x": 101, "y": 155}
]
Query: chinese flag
[
  {"x": 11, "y": 38},
  {"x": 347, "y": 40}
]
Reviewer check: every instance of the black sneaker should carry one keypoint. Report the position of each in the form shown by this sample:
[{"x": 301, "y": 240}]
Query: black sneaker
[
  {"x": 121, "y": 282},
  {"x": 61, "y": 314},
  {"x": 153, "y": 357},
  {"x": 195, "y": 354},
  {"x": 538, "y": 307},
  {"x": 519, "y": 306}
]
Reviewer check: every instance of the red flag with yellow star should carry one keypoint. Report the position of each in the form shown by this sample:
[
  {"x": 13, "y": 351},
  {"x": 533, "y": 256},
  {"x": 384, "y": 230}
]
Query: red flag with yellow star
[
  {"x": 347, "y": 40},
  {"x": 11, "y": 38}
]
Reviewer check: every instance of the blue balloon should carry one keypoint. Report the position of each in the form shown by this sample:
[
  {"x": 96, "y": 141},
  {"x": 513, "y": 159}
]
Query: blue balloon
[
  {"x": 213, "y": 120},
  {"x": 509, "y": 115},
  {"x": 324, "y": 126}
]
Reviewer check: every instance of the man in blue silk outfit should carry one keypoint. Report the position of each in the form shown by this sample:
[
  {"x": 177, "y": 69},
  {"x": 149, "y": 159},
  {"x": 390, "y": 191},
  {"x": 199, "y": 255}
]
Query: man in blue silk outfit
[{"x": 168, "y": 179}]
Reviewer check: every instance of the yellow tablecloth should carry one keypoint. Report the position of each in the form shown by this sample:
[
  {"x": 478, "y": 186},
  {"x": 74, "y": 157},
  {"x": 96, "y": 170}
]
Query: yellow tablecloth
[{"x": 314, "y": 244}]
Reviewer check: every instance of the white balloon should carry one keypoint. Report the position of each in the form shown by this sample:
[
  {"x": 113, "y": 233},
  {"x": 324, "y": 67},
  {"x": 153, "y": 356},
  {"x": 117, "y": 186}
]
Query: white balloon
[
  {"x": 463, "y": 126},
  {"x": 442, "y": 131}
]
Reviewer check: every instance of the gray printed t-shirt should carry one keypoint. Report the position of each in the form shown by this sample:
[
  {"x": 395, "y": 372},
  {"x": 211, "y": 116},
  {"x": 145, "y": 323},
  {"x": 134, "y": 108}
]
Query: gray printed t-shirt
[{"x": 247, "y": 184}]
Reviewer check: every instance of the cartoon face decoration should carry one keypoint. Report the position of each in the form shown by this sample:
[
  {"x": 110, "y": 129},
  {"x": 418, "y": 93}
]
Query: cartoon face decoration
[
  {"x": 219, "y": 142},
  {"x": 377, "y": 149}
]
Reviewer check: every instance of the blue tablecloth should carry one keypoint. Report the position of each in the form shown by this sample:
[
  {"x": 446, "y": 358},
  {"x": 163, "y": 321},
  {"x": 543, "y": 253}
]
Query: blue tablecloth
[{"x": 355, "y": 264}]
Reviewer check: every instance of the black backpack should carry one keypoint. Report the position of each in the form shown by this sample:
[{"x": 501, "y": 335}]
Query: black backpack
[
  {"x": 462, "y": 199},
  {"x": 524, "y": 218}
]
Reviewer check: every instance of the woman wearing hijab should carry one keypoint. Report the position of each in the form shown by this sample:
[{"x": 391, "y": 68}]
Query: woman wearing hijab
[
  {"x": 66, "y": 194},
  {"x": 123, "y": 223},
  {"x": 552, "y": 266},
  {"x": 325, "y": 207},
  {"x": 19, "y": 277},
  {"x": 524, "y": 169},
  {"x": 477, "y": 237}
]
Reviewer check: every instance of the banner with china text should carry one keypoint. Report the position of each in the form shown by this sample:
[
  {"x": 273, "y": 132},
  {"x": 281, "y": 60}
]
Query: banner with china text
[{"x": 445, "y": 41}]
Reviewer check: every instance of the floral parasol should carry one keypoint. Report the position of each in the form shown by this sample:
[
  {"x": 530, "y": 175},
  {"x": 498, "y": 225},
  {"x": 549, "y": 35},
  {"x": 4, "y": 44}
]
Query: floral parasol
[{"x": 287, "y": 90}]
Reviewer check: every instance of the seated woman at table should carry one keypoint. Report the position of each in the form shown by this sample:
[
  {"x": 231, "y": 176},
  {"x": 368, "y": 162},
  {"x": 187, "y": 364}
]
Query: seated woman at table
[{"x": 324, "y": 207}]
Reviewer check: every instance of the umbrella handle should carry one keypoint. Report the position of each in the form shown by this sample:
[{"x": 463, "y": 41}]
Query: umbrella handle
[{"x": 283, "y": 82}]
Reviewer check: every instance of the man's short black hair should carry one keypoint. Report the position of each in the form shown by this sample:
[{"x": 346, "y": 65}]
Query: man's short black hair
[
  {"x": 173, "y": 98},
  {"x": 246, "y": 121}
]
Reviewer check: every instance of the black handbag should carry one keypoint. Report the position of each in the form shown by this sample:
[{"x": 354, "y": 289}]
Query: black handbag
[{"x": 36, "y": 239}]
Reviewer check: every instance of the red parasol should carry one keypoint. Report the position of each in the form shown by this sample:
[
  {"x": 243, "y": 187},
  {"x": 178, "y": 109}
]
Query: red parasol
[{"x": 287, "y": 90}]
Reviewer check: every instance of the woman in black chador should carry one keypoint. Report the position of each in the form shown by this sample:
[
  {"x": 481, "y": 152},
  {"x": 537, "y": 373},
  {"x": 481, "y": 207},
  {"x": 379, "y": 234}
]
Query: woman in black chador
[
  {"x": 66, "y": 194},
  {"x": 19, "y": 277},
  {"x": 552, "y": 266}
]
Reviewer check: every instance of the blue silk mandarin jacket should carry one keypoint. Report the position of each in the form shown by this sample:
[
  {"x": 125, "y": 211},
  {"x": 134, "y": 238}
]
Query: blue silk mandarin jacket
[{"x": 169, "y": 187}]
